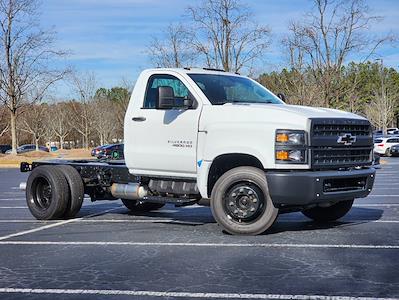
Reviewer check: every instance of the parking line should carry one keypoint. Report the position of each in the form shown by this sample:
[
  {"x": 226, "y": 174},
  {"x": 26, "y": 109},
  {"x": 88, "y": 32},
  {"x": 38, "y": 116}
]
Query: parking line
[
  {"x": 55, "y": 224},
  {"x": 10, "y": 207},
  {"x": 182, "y": 294},
  {"x": 215, "y": 245},
  {"x": 377, "y": 204}
]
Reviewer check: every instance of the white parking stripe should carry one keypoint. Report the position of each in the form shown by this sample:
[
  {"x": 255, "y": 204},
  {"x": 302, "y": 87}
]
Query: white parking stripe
[
  {"x": 377, "y": 204},
  {"x": 182, "y": 222},
  {"x": 177, "y": 244},
  {"x": 397, "y": 196},
  {"x": 182, "y": 294},
  {"x": 10, "y": 207},
  {"x": 55, "y": 224}
]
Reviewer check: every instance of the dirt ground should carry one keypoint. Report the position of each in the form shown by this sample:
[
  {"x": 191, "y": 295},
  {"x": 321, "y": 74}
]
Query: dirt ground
[{"x": 10, "y": 160}]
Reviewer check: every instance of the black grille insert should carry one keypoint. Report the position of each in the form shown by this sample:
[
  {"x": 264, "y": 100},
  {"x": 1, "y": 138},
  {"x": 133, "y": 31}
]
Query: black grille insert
[
  {"x": 323, "y": 157},
  {"x": 344, "y": 184}
]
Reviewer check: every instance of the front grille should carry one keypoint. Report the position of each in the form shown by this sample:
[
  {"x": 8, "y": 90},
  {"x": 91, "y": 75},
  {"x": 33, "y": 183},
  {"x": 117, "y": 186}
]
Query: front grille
[
  {"x": 337, "y": 143},
  {"x": 338, "y": 129},
  {"x": 326, "y": 157}
]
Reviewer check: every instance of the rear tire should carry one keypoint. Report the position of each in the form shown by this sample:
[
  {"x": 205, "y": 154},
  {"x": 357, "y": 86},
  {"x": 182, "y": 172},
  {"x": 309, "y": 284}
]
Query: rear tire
[
  {"x": 47, "y": 193},
  {"x": 329, "y": 214},
  {"x": 241, "y": 203},
  {"x": 388, "y": 152},
  {"x": 76, "y": 189},
  {"x": 137, "y": 206}
]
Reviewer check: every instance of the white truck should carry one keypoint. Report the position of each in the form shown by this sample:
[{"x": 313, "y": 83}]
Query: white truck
[{"x": 208, "y": 137}]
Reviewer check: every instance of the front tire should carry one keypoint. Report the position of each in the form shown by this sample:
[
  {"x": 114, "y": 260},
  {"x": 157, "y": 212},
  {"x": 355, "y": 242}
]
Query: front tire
[
  {"x": 331, "y": 213},
  {"x": 138, "y": 207},
  {"x": 47, "y": 193},
  {"x": 240, "y": 202}
]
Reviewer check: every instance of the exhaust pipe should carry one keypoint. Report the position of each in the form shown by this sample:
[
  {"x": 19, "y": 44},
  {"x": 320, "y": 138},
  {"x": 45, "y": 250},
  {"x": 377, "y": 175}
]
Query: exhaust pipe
[{"x": 131, "y": 191}]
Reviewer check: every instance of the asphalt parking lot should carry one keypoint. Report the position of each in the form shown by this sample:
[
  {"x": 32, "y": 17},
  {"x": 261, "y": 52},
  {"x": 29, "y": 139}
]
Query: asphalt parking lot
[{"x": 181, "y": 253}]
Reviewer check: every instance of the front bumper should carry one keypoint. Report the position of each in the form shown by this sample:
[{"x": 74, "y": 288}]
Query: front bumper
[{"x": 302, "y": 188}]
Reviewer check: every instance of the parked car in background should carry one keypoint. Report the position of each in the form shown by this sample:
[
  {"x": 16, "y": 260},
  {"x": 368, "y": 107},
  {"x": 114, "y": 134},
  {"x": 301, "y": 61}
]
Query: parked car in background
[
  {"x": 395, "y": 150},
  {"x": 392, "y": 130},
  {"x": 97, "y": 150},
  {"x": 4, "y": 148},
  {"x": 28, "y": 148},
  {"x": 383, "y": 145},
  {"x": 114, "y": 151}
]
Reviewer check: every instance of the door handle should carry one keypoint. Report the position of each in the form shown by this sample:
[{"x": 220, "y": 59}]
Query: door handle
[{"x": 138, "y": 119}]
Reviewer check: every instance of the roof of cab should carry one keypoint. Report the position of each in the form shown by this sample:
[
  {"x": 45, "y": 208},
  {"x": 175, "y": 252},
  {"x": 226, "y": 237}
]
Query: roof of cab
[{"x": 192, "y": 70}]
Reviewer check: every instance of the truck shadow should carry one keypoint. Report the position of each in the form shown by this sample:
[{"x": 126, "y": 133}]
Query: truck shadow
[
  {"x": 298, "y": 222},
  {"x": 197, "y": 216}
]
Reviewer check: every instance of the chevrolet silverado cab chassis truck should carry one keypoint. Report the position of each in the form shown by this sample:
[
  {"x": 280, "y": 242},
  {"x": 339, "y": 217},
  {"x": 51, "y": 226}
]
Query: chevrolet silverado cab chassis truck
[{"x": 203, "y": 136}]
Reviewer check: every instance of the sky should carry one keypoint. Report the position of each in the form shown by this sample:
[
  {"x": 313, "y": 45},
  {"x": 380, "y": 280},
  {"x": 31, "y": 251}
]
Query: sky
[{"x": 109, "y": 37}]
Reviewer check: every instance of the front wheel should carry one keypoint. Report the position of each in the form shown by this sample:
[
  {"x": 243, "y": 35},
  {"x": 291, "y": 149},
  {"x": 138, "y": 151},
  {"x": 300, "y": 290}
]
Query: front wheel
[
  {"x": 241, "y": 203},
  {"x": 136, "y": 206},
  {"x": 330, "y": 213}
]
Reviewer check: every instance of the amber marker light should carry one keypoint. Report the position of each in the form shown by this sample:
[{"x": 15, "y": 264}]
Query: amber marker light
[
  {"x": 282, "y": 155},
  {"x": 282, "y": 137}
]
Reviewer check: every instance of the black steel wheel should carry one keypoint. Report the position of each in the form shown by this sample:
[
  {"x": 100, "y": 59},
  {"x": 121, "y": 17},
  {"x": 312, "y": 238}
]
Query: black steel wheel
[
  {"x": 241, "y": 203},
  {"x": 136, "y": 206},
  {"x": 47, "y": 193},
  {"x": 330, "y": 213}
]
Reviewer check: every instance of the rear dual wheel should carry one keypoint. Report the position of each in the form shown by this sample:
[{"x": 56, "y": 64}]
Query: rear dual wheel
[
  {"x": 330, "y": 213},
  {"x": 54, "y": 192}
]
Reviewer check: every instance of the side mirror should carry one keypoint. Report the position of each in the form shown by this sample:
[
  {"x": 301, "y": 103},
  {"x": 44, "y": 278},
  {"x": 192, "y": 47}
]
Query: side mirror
[
  {"x": 281, "y": 96},
  {"x": 166, "y": 97}
]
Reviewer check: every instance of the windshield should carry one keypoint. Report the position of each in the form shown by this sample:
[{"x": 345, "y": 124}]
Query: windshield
[{"x": 221, "y": 89}]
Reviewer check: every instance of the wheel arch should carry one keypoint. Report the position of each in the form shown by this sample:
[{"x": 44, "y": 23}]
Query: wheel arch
[{"x": 225, "y": 162}]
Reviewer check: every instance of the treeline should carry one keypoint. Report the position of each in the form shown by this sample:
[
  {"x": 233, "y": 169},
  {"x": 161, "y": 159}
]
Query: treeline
[
  {"x": 81, "y": 123},
  {"x": 368, "y": 89}
]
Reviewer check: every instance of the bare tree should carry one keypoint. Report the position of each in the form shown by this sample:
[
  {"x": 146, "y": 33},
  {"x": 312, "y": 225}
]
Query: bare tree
[
  {"x": 81, "y": 114},
  {"x": 226, "y": 34},
  {"x": 60, "y": 125},
  {"x": 322, "y": 42},
  {"x": 4, "y": 123},
  {"x": 34, "y": 121},
  {"x": 104, "y": 119},
  {"x": 25, "y": 54},
  {"x": 173, "y": 50}
]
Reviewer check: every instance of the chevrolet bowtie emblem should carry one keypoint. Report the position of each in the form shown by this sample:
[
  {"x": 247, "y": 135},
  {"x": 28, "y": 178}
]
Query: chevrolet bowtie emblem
[{"x": 346, "y": 139}]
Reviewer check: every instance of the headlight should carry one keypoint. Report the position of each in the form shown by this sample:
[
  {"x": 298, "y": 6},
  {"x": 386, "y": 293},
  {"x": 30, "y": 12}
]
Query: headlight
[
  {"x": 287, "y": 137},
  {"x": 290, "y": 146}
]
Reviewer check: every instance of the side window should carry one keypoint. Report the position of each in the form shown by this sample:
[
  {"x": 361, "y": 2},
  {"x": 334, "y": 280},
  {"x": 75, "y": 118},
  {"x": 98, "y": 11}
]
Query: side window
[{"x": 155, "y": 81}]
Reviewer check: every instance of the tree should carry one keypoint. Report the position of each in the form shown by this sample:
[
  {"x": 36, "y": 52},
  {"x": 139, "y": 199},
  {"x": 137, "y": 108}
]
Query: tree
[
  {"x": 104, "y": 119},
  {"x": 81, "y": 116},
  {"x": 381, "y": 109},
  {"x": 26, "y": 53},
  {"x": 4, "y": 124},
  {"x": 226, "y": 35},
  {"x": 59, "y": 124},
  {"x": 34, "y": 121},
  {"x": 173, "y": 50},
  {"x": 324, "y": 40}
]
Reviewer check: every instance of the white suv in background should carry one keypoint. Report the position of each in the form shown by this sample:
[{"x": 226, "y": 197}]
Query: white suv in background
[{"x": 383, "y": 145}]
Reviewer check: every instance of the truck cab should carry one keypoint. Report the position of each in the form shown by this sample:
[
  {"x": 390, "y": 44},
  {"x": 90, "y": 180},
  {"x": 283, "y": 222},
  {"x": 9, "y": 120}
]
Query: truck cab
[{"x": 202, "y": 136}]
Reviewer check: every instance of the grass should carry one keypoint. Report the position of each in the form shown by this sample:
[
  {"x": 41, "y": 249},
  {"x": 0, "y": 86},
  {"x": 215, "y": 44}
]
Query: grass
[{"x": 13, "y": 161}]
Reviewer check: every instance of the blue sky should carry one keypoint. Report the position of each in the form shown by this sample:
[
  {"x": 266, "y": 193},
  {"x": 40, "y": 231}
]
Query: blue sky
[{"x": 109, "y": 37}]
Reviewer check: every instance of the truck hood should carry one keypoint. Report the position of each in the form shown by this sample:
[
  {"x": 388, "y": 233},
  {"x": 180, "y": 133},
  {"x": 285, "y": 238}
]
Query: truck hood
[
  {"x": 305, "y": 111},
  {"x": 271, "y": 115}
]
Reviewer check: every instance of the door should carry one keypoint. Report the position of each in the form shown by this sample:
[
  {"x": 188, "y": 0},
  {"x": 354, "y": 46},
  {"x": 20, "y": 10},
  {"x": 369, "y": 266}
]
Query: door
[{"x": 166, "y": 140}]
